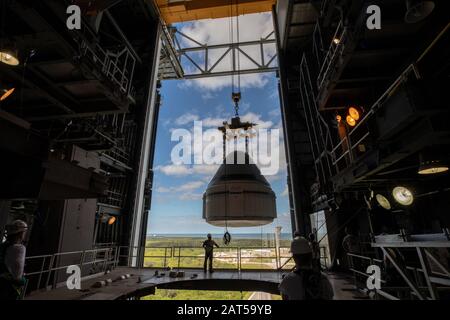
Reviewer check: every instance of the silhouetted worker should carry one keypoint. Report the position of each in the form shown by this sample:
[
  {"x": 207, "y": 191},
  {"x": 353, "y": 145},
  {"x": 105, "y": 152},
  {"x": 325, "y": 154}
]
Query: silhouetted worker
[
  {"x": 12, "y": 261},
  {"x": 315, "y": 250},
  {"x": 209, "y": 252},
  {"x": 304, "y": 283}
]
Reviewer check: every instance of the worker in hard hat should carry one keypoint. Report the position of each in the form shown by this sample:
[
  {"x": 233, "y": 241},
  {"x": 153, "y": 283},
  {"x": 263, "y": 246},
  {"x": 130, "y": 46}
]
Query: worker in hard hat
[
  {"x": 209, "y": 245},
  {"x": 12, "y": 261},
  {"x": 304, "y": 283}
]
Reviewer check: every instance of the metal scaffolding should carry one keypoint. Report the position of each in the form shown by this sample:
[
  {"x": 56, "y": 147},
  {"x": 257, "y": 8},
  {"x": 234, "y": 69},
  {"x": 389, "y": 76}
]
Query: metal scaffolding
[{"x": 424, "y": 281}]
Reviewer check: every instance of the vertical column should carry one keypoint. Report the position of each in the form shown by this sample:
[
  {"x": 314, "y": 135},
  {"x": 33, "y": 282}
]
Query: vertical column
[
  {"x": 138, "y": 226},
  {"x": 288, "y": 140}
]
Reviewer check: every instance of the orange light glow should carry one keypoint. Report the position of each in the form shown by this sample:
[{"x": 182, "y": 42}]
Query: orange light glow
[
  {"x": 351, "y": 121},
  {"x": 111, "y": 220},
  {"x": 6, "y": 93},
  {"x": 354, "y": 113}
]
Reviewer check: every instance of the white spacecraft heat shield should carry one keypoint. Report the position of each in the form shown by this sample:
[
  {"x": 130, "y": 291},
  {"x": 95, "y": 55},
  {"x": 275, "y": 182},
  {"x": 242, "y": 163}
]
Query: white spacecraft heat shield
[{"x": 239, "y": 196}]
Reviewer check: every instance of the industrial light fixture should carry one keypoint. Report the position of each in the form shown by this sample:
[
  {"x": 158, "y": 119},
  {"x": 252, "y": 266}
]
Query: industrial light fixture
[
  {"x": 107, "y": 218},
  {"x": 403, "y": 195},
  {"x": 353, "y": 115},
  {"x": 336, "y": 40},
  {"x": 5, "y": 93},
  {"x": 338, "y": 118},
  {"x": 350, "y": 121},
  {"x": 432, "y": 167},
  {"x": 111, "y": 220},
  {"x": 417, "y": 10},
  {"x": 431, "y": 162},
  {"x": 9, "y": 57},
  {"x": 354, "y": 112},
  {"x": 383, "y": 202}
]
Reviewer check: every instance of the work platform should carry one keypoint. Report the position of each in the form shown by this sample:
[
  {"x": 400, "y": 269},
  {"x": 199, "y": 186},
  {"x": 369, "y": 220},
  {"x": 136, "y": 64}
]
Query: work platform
[{"x": 143, "y": 282}]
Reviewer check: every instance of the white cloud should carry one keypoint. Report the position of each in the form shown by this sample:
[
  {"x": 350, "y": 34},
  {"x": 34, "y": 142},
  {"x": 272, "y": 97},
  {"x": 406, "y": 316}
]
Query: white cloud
[
  {"x": 205, "y": 169},
  {"x": 256, "y": 80},
  {"x": 190, "y": 186},
  {"x": 275, "y": 112},
  {"x": 256, "y": 118},
  {"x": 174, "y": 170},
  {"x": 208, "y": 96},
  {"x": 191, "y": 196},
  {"x": 184, "y": 192},
  {"x": 186, "y": 118},
  {"x": 212, "y": 122},
  {"x": 184, "y": 170}
]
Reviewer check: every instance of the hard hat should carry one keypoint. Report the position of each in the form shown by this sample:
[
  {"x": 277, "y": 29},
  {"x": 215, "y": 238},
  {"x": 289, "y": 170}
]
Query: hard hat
[
  {"x": 300, "y": 246},
  {"x": 208, "y": 235},
  {"x": 17, "y": 226}
]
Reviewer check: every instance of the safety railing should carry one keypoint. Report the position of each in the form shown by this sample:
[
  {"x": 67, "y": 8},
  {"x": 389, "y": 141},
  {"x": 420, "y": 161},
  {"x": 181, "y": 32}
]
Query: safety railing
[
  {"x": 235, "y": 258},
  {"x": 225, "y": 258},
  {"x": 46, "y": 271},
  {"x": 359, "y": 134},
  {"x": 335, "y": 50},
  {"x": 118, "y": 67}
]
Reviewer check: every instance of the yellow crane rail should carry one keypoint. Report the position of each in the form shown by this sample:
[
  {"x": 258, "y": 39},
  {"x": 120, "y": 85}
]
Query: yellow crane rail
[{"x": 173, "y": 11}]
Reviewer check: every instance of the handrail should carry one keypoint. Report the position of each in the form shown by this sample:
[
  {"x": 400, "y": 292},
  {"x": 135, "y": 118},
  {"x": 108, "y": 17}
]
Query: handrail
[
  {"x": 333, "y": 49},
  {"x": 51, "y": 265},
  {"x": 378, "y": 103},
  {"x": 106, "y": 258},
  {"x": 373, "y": 109}
]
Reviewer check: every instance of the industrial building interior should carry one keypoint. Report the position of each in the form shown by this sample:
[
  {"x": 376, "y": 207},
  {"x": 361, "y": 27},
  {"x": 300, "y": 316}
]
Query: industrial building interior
[{"x": 365, "y": 121}]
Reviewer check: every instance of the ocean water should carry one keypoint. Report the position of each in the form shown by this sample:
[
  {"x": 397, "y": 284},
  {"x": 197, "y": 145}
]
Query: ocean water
[{"x": 283, "y": 236}]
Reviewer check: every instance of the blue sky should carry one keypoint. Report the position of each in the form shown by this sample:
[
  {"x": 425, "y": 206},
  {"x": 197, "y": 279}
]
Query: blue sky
[{"x": 177, "y": 190}]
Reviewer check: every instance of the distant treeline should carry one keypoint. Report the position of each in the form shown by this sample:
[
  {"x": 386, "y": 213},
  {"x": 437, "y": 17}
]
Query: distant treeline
[{"x": 196, "y": 241}]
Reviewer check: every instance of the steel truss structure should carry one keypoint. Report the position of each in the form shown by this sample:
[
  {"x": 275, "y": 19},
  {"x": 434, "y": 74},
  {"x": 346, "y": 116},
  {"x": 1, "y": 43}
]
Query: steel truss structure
[
  {"x": 201, "y": 66},
  {"x": 423, "y": 282}
]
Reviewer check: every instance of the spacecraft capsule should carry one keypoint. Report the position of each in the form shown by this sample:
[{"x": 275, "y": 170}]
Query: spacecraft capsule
[{"x": 239, "y": 195}]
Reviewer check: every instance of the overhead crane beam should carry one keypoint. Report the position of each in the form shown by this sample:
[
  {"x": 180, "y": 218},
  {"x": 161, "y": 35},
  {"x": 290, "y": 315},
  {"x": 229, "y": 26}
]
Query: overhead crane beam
[{"x": 173, "y": 11}]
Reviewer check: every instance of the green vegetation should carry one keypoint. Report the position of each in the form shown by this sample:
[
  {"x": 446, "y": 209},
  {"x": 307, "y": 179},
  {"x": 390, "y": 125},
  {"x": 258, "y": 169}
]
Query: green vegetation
[
  {"x": 166, "y": 294},
  {"x": 186, "y": 252},
  {"x": 197, "y": 242}
]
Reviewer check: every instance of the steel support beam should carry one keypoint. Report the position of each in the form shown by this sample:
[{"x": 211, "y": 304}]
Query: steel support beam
[{"x": 402, "y": 273}]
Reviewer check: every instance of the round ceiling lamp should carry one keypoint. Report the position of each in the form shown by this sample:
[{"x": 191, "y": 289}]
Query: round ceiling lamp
[
  {"x": 417, "y": 10},
  {"x": 9, "y": 57},
  {"x": 383, "y": 202},
  {"x": 354, "y": 113},
  {"x": 403, "y": 195},
  {"x": 432, "y": 167}
]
